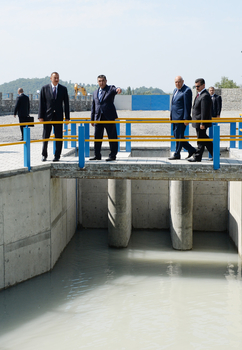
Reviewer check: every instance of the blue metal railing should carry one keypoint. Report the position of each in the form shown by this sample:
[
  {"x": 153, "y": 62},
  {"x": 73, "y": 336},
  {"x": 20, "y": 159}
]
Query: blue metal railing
[{"x": 83, "y": 138}]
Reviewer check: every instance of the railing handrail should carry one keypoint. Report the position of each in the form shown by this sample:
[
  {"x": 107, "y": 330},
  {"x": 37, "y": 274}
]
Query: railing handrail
[{"x": 128, "y": 138}]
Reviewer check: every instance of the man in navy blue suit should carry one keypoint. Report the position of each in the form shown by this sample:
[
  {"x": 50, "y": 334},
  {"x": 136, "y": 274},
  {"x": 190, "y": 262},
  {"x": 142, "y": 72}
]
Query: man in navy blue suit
[
  {"x": 103, "y": 109},
  {"x": 180, "y": 110}
]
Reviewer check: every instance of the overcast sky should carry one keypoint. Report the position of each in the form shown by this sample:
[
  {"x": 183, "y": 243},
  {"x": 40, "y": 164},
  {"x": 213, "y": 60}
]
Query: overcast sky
[{"x": 132, "y": 42}]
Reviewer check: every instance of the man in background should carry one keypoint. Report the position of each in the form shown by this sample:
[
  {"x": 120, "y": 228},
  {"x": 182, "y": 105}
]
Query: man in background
[
  {"x": 217, "y": 103},
  {"x": 52, "y": 98},
  {"x": 181, "y": 104},
  {"x": 202, "y": 110},
  {"x": 22, "y": 108},
  {"x": 103, "y": 109}
]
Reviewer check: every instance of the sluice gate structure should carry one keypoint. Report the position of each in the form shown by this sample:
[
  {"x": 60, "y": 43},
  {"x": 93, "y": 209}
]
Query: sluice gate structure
[{"x": 41, "y": 207}]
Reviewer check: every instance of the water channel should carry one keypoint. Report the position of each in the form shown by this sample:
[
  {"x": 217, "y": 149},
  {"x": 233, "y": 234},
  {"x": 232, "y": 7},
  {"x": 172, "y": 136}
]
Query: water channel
[{"x": 147, "y": 296}]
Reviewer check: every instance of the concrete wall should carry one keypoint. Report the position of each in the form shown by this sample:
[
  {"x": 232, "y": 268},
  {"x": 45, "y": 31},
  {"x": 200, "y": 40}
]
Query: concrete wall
[
  {"x": 150, "y": 204},
  {"x": 37, "y": 220},
  {"x": 235, "y": 214},
  {"x": 81, "y": 103},
  {"x": 231, "y": 98},
  {"x": 123, "y": 102},
  {"x": 210, "y": 206}
]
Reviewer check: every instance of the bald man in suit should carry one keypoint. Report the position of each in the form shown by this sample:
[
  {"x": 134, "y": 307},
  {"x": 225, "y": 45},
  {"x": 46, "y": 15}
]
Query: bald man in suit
[
  {"x": 21, "y": 108},
  {"x": 181, "y": 104}
]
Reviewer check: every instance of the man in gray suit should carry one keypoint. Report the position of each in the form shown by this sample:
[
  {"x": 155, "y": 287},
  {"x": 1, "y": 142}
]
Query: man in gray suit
[{"x": 217, "y": 103}]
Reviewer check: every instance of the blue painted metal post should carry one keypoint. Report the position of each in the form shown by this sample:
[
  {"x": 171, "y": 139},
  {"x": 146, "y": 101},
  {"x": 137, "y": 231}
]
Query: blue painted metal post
[
  {"x": 87, "y": 137},
  {"x": 186, "y": 133},
  {"x": 173, "y": 143},
  {"x": 211, "y": 136},
  {"x": 240, "y": 134},
  {"x": 232, "y": 132},
  {"x": 216, "y": 147},
  {"x": 118, "y": 133},
  {"x": 54, "y": 146},
  {"x": 128, "y": 133},
  {"x": 73, "y": 132},
  {"x": 27, "y": 147},
  {"x": 65, "y": 134},
  {"x": 81, "y": 146}
]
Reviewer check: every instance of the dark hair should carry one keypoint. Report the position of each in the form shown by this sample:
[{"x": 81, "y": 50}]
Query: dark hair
[
  {"x": 101, "y": 76},
  {"x": 200, "y": 80},
  {"x": 54, "y": 73}
]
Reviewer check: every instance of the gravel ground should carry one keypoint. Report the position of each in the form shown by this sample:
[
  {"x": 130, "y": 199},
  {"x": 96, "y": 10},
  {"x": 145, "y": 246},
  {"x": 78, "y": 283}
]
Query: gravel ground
[{"x": 12, "y": 134}]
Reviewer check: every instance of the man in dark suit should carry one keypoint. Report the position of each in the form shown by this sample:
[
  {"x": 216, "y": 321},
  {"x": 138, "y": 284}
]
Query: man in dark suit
[
  {"x": 52, "y": 97},
  {"x": 217, "y": 103},
  {"x": 21, "y": 108},
  {"x": 103, "y": 109},
  {"x": 201, "y": 110},
  {"x": 181, "y": 104}
]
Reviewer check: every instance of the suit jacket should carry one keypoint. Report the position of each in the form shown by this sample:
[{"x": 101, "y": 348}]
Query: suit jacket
[
  {"x": 216, "y": 105},
  {"x": 181, "y": 104},
  {"x": 202, "y": 109},
  {"x": 50, "y": 108},
  {"x": 22, "y": 107},
  {"x": 106, "y": 106}
]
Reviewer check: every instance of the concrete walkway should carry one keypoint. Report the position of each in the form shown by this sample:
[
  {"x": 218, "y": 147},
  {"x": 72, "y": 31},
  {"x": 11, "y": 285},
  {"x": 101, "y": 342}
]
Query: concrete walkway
[{"x": 11, "y": 157}]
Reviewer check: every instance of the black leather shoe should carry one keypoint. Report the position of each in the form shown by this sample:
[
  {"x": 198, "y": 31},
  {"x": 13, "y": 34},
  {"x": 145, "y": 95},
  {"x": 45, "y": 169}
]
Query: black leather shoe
[
  {"x": 194, "y": 160},
  {"x": 190, "y": 154},
  {"x": 56, "y": 159},
  {"x": 109, "y": 159},
  {"x": 95, "y": 158},
  {"x": 173, "y": 158},
  {"x": 44, "y": 159}
]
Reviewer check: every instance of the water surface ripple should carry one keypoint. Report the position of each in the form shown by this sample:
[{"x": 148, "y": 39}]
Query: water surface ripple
[{"x": 147, "y": 296}]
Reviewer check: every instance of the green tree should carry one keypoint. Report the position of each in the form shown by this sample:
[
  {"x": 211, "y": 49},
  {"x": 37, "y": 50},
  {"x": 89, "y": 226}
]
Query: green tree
[
  {"x": 128, "y": 91},
  {"x": 226, "y": 83}
]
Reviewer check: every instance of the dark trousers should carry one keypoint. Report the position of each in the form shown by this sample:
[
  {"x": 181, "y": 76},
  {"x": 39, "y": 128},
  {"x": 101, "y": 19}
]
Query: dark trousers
[
  {"x": 22, "y": 120},
  {"x": 178, "y": 130},
  {"x": 201, "y": 134},
  {"x": 58, "y": 131},
  {"x": 112, "y": 134}
]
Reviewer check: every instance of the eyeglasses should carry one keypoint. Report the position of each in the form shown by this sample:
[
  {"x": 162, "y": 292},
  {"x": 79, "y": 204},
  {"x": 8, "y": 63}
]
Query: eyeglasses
[{"x": 196, "y": 86}]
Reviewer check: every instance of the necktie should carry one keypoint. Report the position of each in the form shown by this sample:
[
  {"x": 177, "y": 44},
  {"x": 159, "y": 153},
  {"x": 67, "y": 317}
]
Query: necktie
[
  {"x": 100, "y": 94},
  {"x": 54, "y": 92}
]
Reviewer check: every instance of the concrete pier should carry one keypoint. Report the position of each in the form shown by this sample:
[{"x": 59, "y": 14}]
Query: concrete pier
[
  {"x": 119, "y": 213},
  {"x": 181, "y": 209}
]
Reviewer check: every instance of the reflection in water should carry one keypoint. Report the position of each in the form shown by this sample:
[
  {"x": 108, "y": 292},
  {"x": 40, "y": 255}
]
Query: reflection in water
[{"x": 147, "y": 296}]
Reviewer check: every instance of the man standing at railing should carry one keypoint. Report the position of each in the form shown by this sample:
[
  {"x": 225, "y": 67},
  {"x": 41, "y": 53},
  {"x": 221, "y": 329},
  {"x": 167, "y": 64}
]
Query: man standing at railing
[
  {"x": 52, "y": 97},
  {"x": 216, "y": 103},
  {"x": 181, "y": 104},
  {"x": 21, "y": 108},
  {"x": 202, "y": 110},
  {"x": 103, "y": 109}
]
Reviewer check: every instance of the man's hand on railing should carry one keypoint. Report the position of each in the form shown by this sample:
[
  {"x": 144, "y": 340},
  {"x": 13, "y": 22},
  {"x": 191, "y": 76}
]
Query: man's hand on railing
[{"x": 41, "y": 119}]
